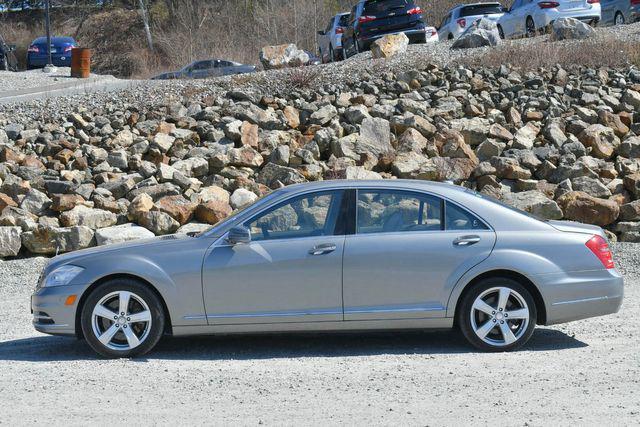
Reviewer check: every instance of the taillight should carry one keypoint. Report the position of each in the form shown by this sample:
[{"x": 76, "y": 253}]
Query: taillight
[
  {"x": 600, "y": 248},
  {"x": 433, "y": 32},
  {"x": 68, "y": 49},
  {"x": 462, "y": 22},
  {"x": 549, "y": 4},
  {"x": 635, "y": 2},
  {"x": 339, "y": 30},
  {"x": 593, "y": 1},
  {"x": 415, "y": 11},
  {"x": 33, "y": 49},
  {"x": 366, "y": 18}
]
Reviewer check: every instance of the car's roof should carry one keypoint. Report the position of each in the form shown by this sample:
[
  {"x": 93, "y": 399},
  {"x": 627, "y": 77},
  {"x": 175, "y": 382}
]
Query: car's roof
[
  {"x": 409, "y": 184},
  {"x": 489, "y": 3}
]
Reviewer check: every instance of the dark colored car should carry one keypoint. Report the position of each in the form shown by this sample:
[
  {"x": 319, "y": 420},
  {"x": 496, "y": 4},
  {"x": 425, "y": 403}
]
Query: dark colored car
[
  {"x": 370, "y": 20},
  {"x": 207, "y": 68},
  {"x": 8, "y": 61},
  {"x": 38, "y": 56}
]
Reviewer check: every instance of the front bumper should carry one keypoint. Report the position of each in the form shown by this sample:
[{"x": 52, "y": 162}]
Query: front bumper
[
  {"x": 50, "y": 314},
  {"x": 580, "y": 295}
]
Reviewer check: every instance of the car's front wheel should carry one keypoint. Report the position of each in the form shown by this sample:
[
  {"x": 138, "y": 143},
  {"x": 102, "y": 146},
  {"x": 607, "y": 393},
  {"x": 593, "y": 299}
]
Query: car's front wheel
[
  {"x": 122, "y": 318},
  {"x": 497, "y": 314}
]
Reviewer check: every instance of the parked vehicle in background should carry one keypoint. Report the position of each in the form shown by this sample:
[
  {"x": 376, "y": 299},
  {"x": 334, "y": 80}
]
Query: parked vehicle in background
[
  {"x": 38, "y": 55},
  {"x": 8, "y": 61},
  {"x": 529, "y": 17},
  {"x": 431, "y": 34},
  {"x": 458, "y": 19},
  {"x": 207, "y": 68},
  {"x": 371, "y": 19},
  {"x": 618, "y": 12},
  {"x": 338, "y": 255},
  {"x": 330, "y": 39}
]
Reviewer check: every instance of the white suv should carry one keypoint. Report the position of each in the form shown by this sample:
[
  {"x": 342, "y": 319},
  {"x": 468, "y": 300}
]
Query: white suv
[
  {"x": 528, "y": 17},
  {"x": 330, "y": 39},
  {"x": 461, "y": 17}
]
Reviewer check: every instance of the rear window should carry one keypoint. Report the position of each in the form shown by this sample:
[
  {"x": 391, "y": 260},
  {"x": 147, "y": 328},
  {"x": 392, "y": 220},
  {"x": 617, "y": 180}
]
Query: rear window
[
  {"x": 375, "y": 7},
  {"x": 480, "y": 9},
  {"x": 344, "y": 21}
]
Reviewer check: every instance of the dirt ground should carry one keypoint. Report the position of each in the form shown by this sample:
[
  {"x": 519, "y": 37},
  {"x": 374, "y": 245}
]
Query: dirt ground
[{"x": 581, "y": 373}]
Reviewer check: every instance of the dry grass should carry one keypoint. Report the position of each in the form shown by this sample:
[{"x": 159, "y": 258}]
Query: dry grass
[
  {"x": 300, "y": 78},
  {"x": 593, "y": 53}
]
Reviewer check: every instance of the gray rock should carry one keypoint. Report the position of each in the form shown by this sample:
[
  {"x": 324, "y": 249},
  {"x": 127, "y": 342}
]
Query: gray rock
[
  {"x": 483, "y": 32},
  {"x": 158, "y": 222},
  {"x": 121, "y": 233},
  {"x": 10, "y": 242},
  {"x": 571, "y": 29},
  {"x": 36, "y": 202},
  {"x": 272, "y": 175},
  {"x": 241, "y": 198},
  {"x": 49, "y": 241},
  {"x": 88, "y": 217},
  {"x": 534, "y": 202}
]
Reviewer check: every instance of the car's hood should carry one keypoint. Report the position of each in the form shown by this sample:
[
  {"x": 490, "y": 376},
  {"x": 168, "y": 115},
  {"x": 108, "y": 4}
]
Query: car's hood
[
  {"x": 576, "y": 227},
  {"x": 142, "y": 244}
]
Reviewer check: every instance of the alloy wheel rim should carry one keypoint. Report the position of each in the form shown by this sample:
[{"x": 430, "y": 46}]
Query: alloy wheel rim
[
  {"x": 619, "y": 19},
  {"x": 499, "y": 316},
  {"x": 121, "y": 320}
]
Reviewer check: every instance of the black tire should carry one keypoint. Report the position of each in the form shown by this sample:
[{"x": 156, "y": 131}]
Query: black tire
[
  {"x": 151, "y": 337},
  {"x": 530, "y": 27},
  {"x": 501, "y": 32},
  {"x": 4, "y": 64},
  {"x": 521, "y": 329}
]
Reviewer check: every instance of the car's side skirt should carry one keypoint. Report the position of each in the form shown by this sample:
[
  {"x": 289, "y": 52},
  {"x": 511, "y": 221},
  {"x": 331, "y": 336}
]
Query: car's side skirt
[{"x": 355, "y": 325}]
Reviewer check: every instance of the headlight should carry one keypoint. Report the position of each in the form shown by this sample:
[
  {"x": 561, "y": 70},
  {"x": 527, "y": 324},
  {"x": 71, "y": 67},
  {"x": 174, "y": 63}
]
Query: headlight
[{"x": 61, "y": 276}]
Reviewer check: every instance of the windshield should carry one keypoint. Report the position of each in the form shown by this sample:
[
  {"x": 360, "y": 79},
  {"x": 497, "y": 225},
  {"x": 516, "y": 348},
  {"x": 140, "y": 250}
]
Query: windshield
[
  {"x": 480, "y": 9},
  {"x": 236, "y": 213},
  {"x": 504, "y": 205}
]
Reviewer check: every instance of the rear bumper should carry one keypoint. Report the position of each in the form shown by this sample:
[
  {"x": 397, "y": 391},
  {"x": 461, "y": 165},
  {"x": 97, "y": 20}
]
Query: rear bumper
[
  {"x": 546, "y": 19},
  {"x": 50, "y": 314},
  {"x": 42, "y": 60},
  {"x": 580, "y": 295}
]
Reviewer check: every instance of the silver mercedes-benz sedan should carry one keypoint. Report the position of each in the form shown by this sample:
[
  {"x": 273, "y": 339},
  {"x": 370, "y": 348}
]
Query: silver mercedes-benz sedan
[{"x": 336, "y": 256}]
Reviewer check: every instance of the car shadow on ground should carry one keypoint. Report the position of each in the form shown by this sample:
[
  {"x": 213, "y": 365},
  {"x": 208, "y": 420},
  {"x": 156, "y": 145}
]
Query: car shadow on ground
[{"x": 270, "y": 346}]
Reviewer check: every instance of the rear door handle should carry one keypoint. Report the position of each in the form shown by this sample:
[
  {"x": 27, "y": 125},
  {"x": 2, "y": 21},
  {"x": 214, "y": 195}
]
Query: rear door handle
[
  {"x": 322, "y": 249},
  {"x": 466, "y": 240}
]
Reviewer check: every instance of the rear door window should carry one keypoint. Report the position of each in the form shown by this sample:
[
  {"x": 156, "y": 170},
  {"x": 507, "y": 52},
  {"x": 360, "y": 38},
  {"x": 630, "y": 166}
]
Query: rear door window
[
  {"x": 382, "y": 7},
  {"x": 480, "y": 9},
  {"x": 344, "y": 21},
  {"x": 461, "y": 219}
]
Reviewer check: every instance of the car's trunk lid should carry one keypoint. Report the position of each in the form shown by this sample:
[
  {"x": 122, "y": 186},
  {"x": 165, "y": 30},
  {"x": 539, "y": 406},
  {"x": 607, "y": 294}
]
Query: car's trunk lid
[
  {"x": 389, "y": 15},
  {"x": 576, "y": 227}
]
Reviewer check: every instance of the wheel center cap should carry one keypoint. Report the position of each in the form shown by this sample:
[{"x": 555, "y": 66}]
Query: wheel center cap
[
  {"x": 499, "y": 316},
  {"x": 122, "y": 320}
]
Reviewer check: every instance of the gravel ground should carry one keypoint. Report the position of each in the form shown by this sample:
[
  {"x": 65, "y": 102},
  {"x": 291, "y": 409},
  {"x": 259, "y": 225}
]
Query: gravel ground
[
  {"x": 10, "y": 81},
  {"x": 341, "y": 74},
  {"x": 583, "y": 373}
]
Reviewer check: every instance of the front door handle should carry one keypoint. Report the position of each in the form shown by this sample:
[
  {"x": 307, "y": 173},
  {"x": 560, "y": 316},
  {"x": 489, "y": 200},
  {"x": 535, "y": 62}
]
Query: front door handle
[
  {"x": 466, "y": 240},
  {"x": 322, "y": 249}
]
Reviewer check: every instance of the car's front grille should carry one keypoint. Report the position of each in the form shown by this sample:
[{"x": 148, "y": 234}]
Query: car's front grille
[{"x": 43, "y": 318}]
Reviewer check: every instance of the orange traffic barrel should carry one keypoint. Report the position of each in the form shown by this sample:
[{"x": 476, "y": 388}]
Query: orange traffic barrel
[{"x": 80, "y": 62}]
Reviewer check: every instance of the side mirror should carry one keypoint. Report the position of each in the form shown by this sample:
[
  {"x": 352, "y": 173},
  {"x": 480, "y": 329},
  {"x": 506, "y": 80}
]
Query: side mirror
[
  {"x": 239, "y": 235},
  {"x": 321, "y": 33}
]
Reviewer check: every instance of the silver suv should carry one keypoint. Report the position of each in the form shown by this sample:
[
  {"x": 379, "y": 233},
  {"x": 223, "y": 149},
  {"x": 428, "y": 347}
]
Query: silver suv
[
  {"x": 330, "y": 39},
  {"x": 462, "y": 16},
  {"x": 529, "y": 17}
]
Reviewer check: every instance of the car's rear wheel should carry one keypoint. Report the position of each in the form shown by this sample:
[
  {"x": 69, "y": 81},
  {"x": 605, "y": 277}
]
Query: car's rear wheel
[
  {"x": 122, "y": 318},
  {"x": 619, "y": 19},
  {"x": 531, "y": 27},
  {"x": 497, "y": 314},
  {"x": 4, "y": 64},
  {"x": 501, "y": 32}
]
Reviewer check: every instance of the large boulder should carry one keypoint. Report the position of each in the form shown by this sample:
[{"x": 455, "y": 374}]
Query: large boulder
[
  {"x": 535, "y": 202},
  {"x": 483, "y": 32},
  {"x": 158, "y": 222},
  {"x": 52, "y": 240},
  {"x": 580, "y": 206},
  {"x": 10, "y": 242},
  {"x": 283, "y": 56},
  {"x": 570, "y": 29},
  {"x": 88, "y": 217},
  {"x": 121, "y": 233},
  {"x": 389, "y": 45}
]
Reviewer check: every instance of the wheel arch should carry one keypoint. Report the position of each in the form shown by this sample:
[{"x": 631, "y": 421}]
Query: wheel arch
[
  {"x": 509, "y": 274},
  {"x": 102, "y": 280}
]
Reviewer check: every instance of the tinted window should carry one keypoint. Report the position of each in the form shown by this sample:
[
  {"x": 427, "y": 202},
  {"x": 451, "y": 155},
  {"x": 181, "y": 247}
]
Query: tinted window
[
  {"x": 304, "y": 216},
  {"x": 375, "y": 7},
  {"x": 480, "y": 9},
  {"x": 393, "y": 211},
  {"x": 344, "y": 21},
  {"x": 202, "y": 65},
  {"x": 460, "y": 219}
]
